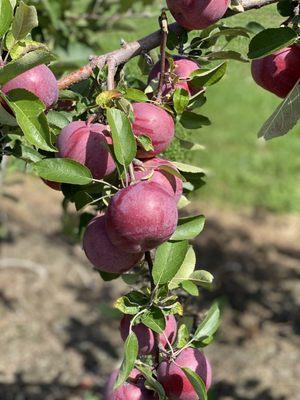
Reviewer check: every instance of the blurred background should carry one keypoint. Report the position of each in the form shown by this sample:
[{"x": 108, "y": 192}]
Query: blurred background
[{"x": 59, "y": 337}]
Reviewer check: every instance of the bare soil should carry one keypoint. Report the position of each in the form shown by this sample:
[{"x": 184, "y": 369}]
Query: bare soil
[{"x": 57, "y": 340}]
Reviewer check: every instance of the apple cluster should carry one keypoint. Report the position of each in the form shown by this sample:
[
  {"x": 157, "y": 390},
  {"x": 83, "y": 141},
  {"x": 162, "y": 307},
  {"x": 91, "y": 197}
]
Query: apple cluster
[
  {"x": 139, "y": 217},
  {"x": 170, "y": 375}
]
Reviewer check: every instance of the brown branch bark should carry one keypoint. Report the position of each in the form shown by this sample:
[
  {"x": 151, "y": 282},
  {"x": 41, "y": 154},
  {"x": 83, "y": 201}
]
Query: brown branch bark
[
  {"x": 134, "y": 49},
  {"x": 163, "y": 20}
]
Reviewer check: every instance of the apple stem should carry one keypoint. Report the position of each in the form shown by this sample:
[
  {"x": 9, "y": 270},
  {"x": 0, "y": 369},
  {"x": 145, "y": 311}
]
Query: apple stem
[
  {"x": 131, "y": 173},
  {"x": 163, "y": 21}
]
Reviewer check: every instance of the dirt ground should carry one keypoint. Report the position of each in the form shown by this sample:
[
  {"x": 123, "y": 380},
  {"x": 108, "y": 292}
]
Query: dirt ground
[{"x": 57, "y": 340}]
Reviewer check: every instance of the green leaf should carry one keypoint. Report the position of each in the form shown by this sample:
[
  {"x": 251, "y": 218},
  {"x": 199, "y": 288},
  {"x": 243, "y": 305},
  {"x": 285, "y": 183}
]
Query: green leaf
[
  {"x": 123, "y": 138},
  {"x": 131, "y": 303},
  {"x": 188, "y": 228},
  {"x": 63, "y": 170},
  {"x": 227, "y": 55},
  {"x": 107, "y": 277},
  {"x": 26, "y": 153},
  {"x": 183, "y": 335},
  {"x": 186, "y": 269},
  {"x": 146, "y": 142},
  {"x": 6, "y": 118},
  {"x": 126, "y": 306},
  {"x": 284, "y": 118},
  {"x": 170, "y": 170},
  {"x": 130, "y": 355},
  {"x": 154, "y": 319},
  {"x": 6, "y": 16},
  {"x": 203, "y": 77},
  {"x": 135, "y": 95},
  {"x": 151, "y": 381},
  {"x": 197, "y": 383},
  {"x": 210, "y": 324},
  {"x": 28, "y": 61},
  {"x": 190, "y": 288},
  {"x": 188, "y": 168},
  {"x": 202, "y": 278},
  {"x": 57, "y": 119},
  {"x": 231, "y": 32},
  {"x": 29, "y": 113},
  {"x": 22, "y": 47},
  {"x": 181, "y": 100},
  {"x": 24, "y": 21},
  {"x": 270, "y": 40},
  {"x": 190, "y": 120},
  {"x": 131, "y": 278},
  {"x": 168, "y": 259}
]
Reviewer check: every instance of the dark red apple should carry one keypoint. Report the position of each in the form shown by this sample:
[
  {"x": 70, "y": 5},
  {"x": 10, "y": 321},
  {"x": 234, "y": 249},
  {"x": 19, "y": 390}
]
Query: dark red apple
[
  {"x": 87, "y": 144},
  {"x": 197, "y": 14},
  {"x": 176, "y": 384},
  {"x": 146, "y": 336},
  {"x": 150, "y": 170},
  {"x": 102, "y": 253},
  {"x": 141, "y": 217},
  {"x": 279, "y": 72},
  {"x": 133, "y": 389},
  {"x": 40, "y": 81},
  {"x": 178, "y": 79},
  {"x": 154, "y": 122}
]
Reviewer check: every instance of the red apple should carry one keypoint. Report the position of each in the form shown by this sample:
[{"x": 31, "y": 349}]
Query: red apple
[
  {"x": 279, "y": 72},
  {"x": 197, "y": 14},
  {"x": 183, "y": 67},
  {"x": 87, "y": 144},
  {"x": 102, "y": 253},
  {"x": 150, "y": 171},
  {"x": 146, "y": 336},
  {"x": 133, "y": 389},
  {"x": 176, "y": 384},
  {"x": 141, "y": 217},
  {"x": 40, "y": 81},
  {"x": 154, "y": 122}
]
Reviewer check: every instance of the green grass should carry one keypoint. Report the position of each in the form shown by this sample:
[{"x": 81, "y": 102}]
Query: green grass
[{"x": 244, "y": 171}]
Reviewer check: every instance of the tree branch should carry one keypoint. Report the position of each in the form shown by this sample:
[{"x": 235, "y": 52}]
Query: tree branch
[
  {"x": 163, "y": 20},
  {"x": 134, "y": 49}
]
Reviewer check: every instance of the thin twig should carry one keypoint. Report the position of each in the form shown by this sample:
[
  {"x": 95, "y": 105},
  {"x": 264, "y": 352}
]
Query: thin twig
[
  {"x": 163, "y": 21},
  {"x": 112, "y": 68}
]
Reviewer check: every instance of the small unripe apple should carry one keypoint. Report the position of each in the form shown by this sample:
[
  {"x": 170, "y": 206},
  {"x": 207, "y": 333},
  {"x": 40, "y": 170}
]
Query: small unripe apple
[
  {"x": 178, "y": 79},
  {"x": 150, "y": 170},
  {"x": 39, "y": 80},
  {"x": 176, "y": 384},
  {"x": 145, "y": 335},
  {"x": 279, "y": 72},
  {"x": 154, "y": 122},
  {"x": 132, "y": 389},
  {"x": 197, "y": 14},
  {"x": 87, "y": 144},
  {"x": 141, "y": 217},
  {"x": 102, "y": 253}
]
